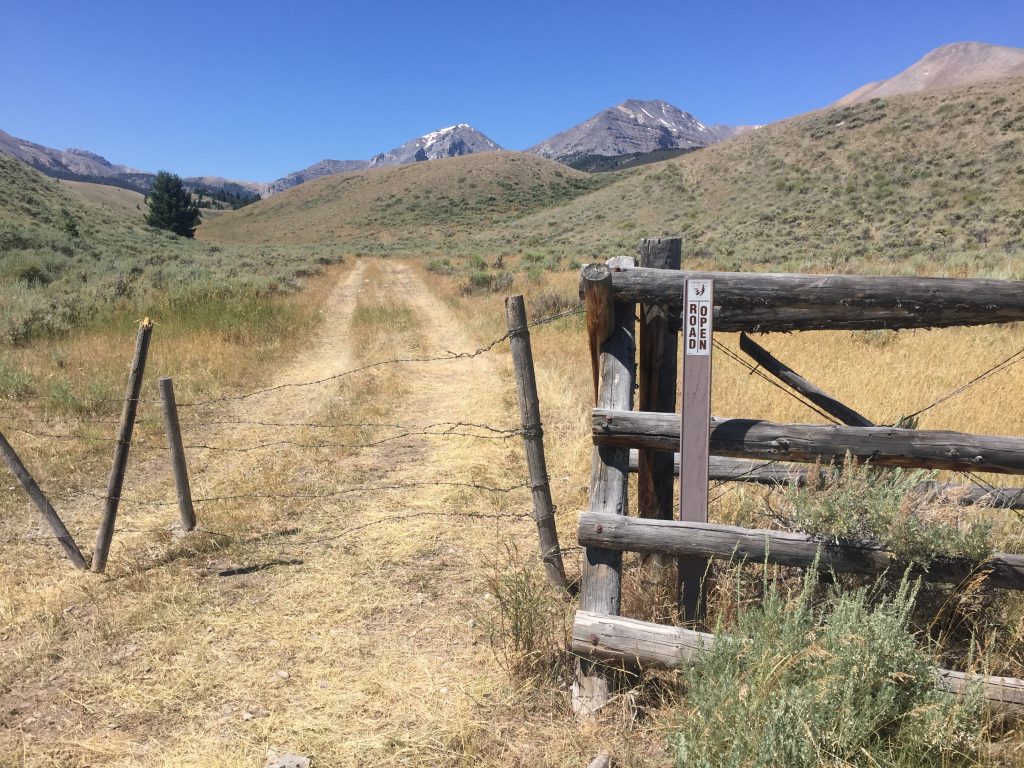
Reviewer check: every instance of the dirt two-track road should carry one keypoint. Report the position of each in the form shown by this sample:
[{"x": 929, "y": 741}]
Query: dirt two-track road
[{"x": 341, "y": 606}]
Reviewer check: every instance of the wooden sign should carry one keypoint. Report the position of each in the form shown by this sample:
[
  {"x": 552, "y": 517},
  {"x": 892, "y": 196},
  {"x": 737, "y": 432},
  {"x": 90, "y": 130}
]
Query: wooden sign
[{"x": 698, "y": 321}]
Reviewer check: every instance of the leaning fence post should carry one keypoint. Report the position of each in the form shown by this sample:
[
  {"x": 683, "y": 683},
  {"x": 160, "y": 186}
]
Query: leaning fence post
[
  {"x": 124, "y": 441},
  {"x": 533, "y": 439},
  {"x": 188, "y": 514},
  {"x": 39, "y": 499}
]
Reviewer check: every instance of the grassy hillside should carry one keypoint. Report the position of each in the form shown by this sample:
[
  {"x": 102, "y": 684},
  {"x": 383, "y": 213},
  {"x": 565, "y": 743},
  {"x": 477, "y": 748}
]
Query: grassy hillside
[
  {"x": 68, "y": 260},
  {"x": 123, "y": 200},
  {"x": 424, "y": 205},
  {"x": 924, "y": 183}
]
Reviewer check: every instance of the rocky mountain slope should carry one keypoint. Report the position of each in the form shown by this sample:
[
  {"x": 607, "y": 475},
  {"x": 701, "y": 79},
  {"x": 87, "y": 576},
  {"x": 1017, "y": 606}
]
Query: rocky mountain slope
[
  {"x": 83, "y": 165},
  {"x": 631, "y": 128},
  {"x": 453, "y": 141},
  {"x": 946, "y": 67},
  {"x": 315, "y": 171}
]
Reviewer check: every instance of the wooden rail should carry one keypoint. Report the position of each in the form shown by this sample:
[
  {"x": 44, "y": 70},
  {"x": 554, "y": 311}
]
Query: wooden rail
[
  {"x": 723, "y": 468},
  {"x": 631, "y": 642},
  {"x": 790, "y": 302},
  {"x": 727, "y": 542},
  {"x": 811, "y": 443}
]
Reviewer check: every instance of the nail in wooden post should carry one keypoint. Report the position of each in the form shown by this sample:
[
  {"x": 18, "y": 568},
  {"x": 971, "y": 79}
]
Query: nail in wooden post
[
  {"x": 42, "y": 503},
  {"x": 533, "y": 440},
  {"x": 124, "y": 440},
  {"x": 597, "y": 296},
  {"x": 659, "y": 348},
  {"x": 601, "y": 591},
  {"x": 188, "y": 514}
]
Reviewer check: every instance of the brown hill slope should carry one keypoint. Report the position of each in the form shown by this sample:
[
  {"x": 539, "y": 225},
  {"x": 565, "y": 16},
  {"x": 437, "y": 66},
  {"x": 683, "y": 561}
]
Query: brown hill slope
[
  {"x": 408, "y": 204},
  {"x": 946, "y": 67}
]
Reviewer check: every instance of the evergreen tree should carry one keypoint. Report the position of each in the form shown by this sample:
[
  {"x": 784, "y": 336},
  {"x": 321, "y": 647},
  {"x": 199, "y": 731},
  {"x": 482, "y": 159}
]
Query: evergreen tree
[{"x": 171, "y": 206}]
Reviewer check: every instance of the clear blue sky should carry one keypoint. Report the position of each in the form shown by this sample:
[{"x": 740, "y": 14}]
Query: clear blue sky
[{"x": 254, "y": 90}]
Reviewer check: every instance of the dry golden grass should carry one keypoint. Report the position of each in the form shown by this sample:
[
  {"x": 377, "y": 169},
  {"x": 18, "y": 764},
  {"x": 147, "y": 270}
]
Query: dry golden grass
[
  {"x": 122, "y": 200},
  {"x": 382, "y": 607}
]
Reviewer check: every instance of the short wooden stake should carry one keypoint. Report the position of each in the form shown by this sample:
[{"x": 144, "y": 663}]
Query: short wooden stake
[
  {"x": 188, "y": 514},
  {"x": 42, "y": 503},
  {"x": 124, "y": 440},
  {"x": 533, "y": 440}
]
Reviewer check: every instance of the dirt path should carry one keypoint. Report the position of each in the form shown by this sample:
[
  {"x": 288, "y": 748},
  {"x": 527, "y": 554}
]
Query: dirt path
[{"x": 348, "y": 621}]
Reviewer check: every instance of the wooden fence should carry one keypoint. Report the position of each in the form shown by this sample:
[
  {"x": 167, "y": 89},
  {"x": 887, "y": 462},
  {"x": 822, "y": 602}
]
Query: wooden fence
[{"x": 645, "y": 442}]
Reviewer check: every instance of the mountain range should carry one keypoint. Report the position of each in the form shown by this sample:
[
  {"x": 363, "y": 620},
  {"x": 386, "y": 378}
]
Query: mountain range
[{"x": 631, "y": 133}]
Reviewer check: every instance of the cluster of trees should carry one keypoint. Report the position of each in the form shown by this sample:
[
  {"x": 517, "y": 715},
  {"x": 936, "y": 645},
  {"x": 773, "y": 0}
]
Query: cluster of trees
[
  {"x": 172, "y": 207},
  {"x": 234, "y": 200}
]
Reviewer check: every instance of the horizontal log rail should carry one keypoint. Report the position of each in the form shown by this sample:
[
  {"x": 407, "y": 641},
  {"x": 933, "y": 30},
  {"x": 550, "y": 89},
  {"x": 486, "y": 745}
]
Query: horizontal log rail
[
  {"x": 766, "y": 301},
  {"x": 812, "y": 443},
  {"x": 727, "y": 542},
  {"x": 631, "y": 642},
  {"x": 781, "y": 473}
]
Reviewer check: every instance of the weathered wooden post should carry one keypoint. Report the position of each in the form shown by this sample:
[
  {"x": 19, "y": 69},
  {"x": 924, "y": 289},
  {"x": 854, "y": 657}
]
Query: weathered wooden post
[
  {"x": 533, "y": 440},
  {"x": 694, "y": 438},
  {"x": 659, "y": 346},
  {"x": 597, "y": 298},
  {"x": 38, "y": 498},
  {"x": 177, "y": 452},
  {"x": 609, "y": 492},
  {"x": 124, "y": 441}
]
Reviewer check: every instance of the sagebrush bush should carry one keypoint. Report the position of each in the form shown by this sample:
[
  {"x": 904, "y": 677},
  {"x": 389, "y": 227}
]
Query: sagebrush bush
[
  {"x": 796, "y": 684},
  {"x": 888, "y": 507}
]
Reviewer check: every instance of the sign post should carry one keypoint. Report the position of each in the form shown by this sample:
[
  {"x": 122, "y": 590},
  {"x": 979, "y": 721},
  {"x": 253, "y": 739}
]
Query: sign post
[{"x": 698, "y": 321}]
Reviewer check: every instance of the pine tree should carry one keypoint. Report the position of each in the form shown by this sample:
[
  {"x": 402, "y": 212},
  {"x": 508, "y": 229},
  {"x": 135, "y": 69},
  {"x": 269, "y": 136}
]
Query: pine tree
[{"x": 171, "y": 206}]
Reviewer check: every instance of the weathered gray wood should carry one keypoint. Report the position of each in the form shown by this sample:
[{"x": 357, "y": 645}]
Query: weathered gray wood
[
  {"x": 124, "y": 440},
  {"x": 693, "y": 442},
  {"x": 727, "y": 542},
  {"x": 810, "y": 443},
  {"x": 657, "y": 379},
  {"x": 28, "y": 483},
  {"x": 177, "y": 451},
  {"x": 634, "y": 643},
  {"x": 618, "y": 640},
  {"x": 797, "y": 382},
  {"x": 601, "y": 761},
  {"x": 533, "y": 441},
  {"x": 783, "y": 473},
  {"x": 601, "y": 589},
  {"x": 789, "y": 302},
  {"x": 597, "y": 297}
]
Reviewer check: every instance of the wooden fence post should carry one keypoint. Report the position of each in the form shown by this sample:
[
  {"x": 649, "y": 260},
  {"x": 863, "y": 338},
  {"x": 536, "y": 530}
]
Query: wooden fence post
[
  {"x": 601, "y": 591},
  {"x": 17, "y": 468},
  {"x": 177, "y": 451},
  {"x": 659, "y": 346},
  {"x": 124, "y": 441},
  {"x": 533, "y": 440},
  {"x": 597, "y": 297}
]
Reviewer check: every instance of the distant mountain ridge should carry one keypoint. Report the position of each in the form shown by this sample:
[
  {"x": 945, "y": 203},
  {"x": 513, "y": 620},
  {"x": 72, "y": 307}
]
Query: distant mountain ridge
[
  {"x": 83, "y": 165},
  {"x": 634, "y": 127},
  {"x": 946, "y": 67}
]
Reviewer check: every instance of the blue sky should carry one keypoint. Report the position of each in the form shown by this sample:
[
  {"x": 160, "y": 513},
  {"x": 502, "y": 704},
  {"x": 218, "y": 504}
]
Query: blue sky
[{"x": 254, "y": 90}]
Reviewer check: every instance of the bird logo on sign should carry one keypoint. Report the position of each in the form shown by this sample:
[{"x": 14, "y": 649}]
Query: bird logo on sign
[{"x": 699, "y": 290}]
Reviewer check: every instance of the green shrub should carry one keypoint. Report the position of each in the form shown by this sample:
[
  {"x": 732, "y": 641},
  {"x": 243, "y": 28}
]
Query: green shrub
[{"x": 795, "y": 685}]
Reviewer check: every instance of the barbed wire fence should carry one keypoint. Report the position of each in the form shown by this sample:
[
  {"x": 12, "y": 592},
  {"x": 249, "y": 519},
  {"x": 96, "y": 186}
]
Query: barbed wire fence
[
  {"x": 240, "y": 436},
  {"x": 214, "y": 412}
]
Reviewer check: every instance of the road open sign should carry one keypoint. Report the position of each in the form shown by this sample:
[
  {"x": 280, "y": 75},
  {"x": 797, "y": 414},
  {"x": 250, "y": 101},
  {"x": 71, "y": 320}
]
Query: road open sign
[
  {"x": 698, "y": 316},
  {"x": 698, "y": 319}
]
